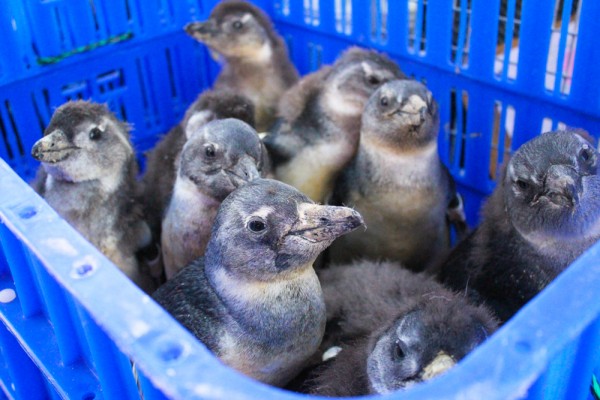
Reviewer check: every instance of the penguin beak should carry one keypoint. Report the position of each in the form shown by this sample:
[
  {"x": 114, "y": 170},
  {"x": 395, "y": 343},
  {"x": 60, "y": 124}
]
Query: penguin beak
[
  {"x": 243, "y": 172},
  {"x": 561, "y": 185},
  {"x": 201, "y": 30},
  {"x": 440, "y": 364},
  {"x": 319, "y": 223},
  {"x": 53, "y": 148}
]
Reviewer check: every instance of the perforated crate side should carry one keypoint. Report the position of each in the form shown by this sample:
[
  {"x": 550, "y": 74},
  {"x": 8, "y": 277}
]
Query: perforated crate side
[
  {"x": 40, "y": 34},
  {"x": 150, "y": 85}
]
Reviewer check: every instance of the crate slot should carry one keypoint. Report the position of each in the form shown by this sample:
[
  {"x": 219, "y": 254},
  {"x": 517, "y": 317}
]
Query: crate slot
[
  {"x": 38, "y": 115},
  {"x": 111, "y": 80},
  {"x": 343, "y": 16},
  {"x": 94, "y": 16},
  {"x": 457, "y": 125},
  {"x": 379, "y": 21},
  {"x": 311, "y": 12},
  {"x": 13, "y": 125},
  {"x": 507, "y": 41},
  {"x": 502, "y": 134},
  {"x": 7, "y": 147},
  {"x": 563, "y": 46},
  {"x": 461, "y": 32},
  {"x": 171, "y": 73},
  {"x": 315, "y": 56},
  {"x": 416, "y": 24}
]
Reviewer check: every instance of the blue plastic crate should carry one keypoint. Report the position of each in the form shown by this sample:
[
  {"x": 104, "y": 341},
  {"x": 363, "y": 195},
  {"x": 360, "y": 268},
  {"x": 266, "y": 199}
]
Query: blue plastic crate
[{"x": 76, "y": 322}]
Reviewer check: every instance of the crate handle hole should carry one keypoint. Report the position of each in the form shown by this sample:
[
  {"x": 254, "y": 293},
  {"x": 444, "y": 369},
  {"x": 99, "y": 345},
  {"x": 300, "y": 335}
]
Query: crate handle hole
[
  {"x": 170, "y": 351},
  {"x": 7, "y": 295},
  {"x": 27, "y": 212}
]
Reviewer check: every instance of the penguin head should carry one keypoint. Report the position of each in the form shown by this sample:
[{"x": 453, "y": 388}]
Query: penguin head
[
  {"x": 217, "y": 104},
  {"x": 236, "y": 30},
  {"x": 402, "y": 114},
  {"x": 355, "y": 76},
  {"x": 551, "y": 188},
  {"x": 424, "y": 342},
  {"x": 267, "y": 230},
  {"x": 220, "y": 156},
  {"x": 84, "y": 141}
]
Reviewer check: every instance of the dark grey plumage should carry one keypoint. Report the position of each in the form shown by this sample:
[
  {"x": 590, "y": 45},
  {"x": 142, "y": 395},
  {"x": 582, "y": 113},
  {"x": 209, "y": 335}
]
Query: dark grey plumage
[
  {"x": 256, "y": 59},
  {"x": 161, "y": 168},
  {"x": 543, "y": 214},
  {"x": 397, "y": 181},
  {"x": 395, "y": 327},
  {"x": 254, "y": 299},
  {"x": 217, "y": 158},
  {"x": 89, "y": 178},
  {"x": 319, "y": 120}
]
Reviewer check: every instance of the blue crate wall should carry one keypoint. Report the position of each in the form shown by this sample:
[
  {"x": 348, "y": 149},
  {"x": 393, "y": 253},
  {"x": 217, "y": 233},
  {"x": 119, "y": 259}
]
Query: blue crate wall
[
  {"x": 39, "y": 34},
  {"x": 130, "y": 77},
  {"x": 148, "y": 85}
]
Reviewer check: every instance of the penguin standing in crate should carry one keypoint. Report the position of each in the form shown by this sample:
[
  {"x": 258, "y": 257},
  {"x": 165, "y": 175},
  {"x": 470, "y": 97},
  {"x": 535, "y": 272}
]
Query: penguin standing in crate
[
  {"x": 398, "y": 183},
  {"x": 256, "y": 60},
  {"x": 544, "y": 213},
  {"x": 254, "y": 299},
  {"x": 319, "y": 126},
  {"x": 89, "y": 178}
]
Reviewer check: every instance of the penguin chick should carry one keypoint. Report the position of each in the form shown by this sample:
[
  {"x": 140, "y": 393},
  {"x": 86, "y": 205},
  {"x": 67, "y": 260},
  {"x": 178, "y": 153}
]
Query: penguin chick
[
  {"x": 543, "y": 214},
  {"x": 161, "y": 168},
  {"x": 397, "y": 181},
  {"x": 89, "y": 179},
  {"x": 221, "y": 156},
  {"x": 254, "y": 298},
  {"x": 256, "y": 58},
  {"x": 320, "y": 120},
  {"x": 395, "y": 327}
]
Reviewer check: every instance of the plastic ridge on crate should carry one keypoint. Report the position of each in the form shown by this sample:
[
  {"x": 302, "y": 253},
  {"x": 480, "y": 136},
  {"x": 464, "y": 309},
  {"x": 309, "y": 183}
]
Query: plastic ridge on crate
[{"x": 77, "y": 323}]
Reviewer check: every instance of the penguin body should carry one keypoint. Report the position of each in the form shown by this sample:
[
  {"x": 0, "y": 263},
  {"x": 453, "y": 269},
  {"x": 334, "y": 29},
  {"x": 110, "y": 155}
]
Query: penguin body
[
  {"x": 90, "y": 180},
  {"x": 219, "y": 157},
  {"x": 254, "y": 298},
  {"x": 398, "y": 181},
  {"x": 542, "y": 215},
  {"x": 319, "y": 126},
  {"x": 256, "y": 62},
  {"x": 395, "y": 328}
]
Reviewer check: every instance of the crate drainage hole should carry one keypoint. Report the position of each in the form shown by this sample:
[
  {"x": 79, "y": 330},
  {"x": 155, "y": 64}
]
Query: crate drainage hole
[
  {"x": 88, "y": 396},
  {"x": 84, "y": 270},
  {"x": 27, "y": 212},
  {"x": 7, "y": 295},
  {"x": 170, "y": 351}
]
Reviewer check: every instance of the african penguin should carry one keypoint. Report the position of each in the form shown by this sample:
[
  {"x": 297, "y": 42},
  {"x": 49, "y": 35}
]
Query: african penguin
[
  {"x": 395, "y": 329},
  {"x": 397, "y": 182},
  {"x": 544, "y": 212},
  {"x": 161, "y": 161},
  {"x": 254, "y": 298},
  {"x": 256, "y": 60},
  {"x": 90, "y": 180},
  {"x": 319, "y": 126},
  {"x": 217, "y": 158}
]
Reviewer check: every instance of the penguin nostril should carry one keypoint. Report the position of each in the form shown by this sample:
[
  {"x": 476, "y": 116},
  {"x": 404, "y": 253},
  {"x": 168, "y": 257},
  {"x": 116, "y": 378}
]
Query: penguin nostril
[{"x": 324, "y": 220}]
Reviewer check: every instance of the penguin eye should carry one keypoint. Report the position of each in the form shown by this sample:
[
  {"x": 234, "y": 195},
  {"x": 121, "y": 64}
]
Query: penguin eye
[
  {"x": 237, "y": 25},
  {"x": 586, "y": 155},
  {"x": 373, "y": 80},
  {"x": 398, "y": 351},
  {"x": 384, "y": 101},
  {"x": 209, "y": 150},
  {"x": 256, "y": 225},
  {"x": 95, "y": 133},
  {"x": 521, "y": 184}
]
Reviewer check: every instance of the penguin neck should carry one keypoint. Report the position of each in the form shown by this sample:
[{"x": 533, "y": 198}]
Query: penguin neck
[
  {"x": 187, "y": 195},
  {"x": 295, "y": 297},
  {"x": 411, "y": 165}
]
